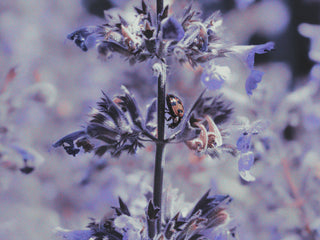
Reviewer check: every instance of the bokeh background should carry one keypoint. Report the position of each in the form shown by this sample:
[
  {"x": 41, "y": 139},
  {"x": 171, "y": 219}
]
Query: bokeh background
[{"x": 48, "y": 86}]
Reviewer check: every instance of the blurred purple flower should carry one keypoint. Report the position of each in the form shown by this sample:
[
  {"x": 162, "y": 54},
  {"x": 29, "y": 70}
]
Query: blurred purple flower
[
  {"x": 246, "y": 161},
  {"x": 258, "y": 49},
  {"x": 30, "y": 158},
  {"x": 85, "y": 37},
  {"x": 253, "y": 80},
  {"x": 244, "y": 143},
  {"x": 213, "y": 76},
  {"x": 247, "y": 54},
  {"x": 172, "y": 29}
]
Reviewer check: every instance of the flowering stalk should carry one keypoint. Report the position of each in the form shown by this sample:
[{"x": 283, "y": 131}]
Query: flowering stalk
[
  {"x": 159, "y": 163},
  {"x": 117, "y": 125}
]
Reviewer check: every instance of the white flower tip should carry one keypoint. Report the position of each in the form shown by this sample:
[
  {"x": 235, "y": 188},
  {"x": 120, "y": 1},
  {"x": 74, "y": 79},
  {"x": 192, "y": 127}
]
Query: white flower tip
[
  {"x": 157, "y": 69},
  {"x": 246, "y": 175}
]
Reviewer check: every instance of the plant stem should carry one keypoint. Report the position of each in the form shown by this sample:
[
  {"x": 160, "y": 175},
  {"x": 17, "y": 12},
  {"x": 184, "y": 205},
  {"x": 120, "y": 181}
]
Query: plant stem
[{"x": 159, "y": 158}]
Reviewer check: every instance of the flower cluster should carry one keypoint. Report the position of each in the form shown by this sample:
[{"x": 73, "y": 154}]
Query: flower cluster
[
  {"x": 203, "y": 221},
  {"x": 115, "y": 127},
  {"x": 188, "y": 38},
  {"x": 207, "y": 114}
]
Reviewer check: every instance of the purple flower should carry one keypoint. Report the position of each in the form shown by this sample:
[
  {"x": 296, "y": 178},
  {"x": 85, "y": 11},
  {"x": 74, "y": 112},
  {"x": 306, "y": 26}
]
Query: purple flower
[
  {"x": 213, "y": 77},
  {"x": 30, "y": 158},
  {"x": 189, "y": 39},
  {"x": 252, "y": 81},
  {"x": 172, "y": 29},
  {"x": 258, "y": 49},
  {"x": 86, "y": 37},
  {"x": 245, "y": 163},
  {"x": 244, "y": 143},
  {"x": 246, "y": 159},
  {"x": 247, "y": 54}
]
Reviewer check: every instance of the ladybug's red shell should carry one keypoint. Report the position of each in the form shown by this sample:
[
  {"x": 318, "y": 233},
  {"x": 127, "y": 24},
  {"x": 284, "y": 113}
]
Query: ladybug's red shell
[{"x": 175, "y": 106}]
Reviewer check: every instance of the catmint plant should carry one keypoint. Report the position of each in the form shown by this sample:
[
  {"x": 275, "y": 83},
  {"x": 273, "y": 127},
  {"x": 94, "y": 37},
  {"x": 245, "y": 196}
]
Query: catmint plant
[{"x": 118, "y": 126}]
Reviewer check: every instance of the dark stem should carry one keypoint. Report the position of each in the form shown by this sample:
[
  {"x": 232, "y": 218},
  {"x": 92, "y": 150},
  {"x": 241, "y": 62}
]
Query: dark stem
[
  {"x": 158, "y": 179},
  {"x": 159, "y": 159}
]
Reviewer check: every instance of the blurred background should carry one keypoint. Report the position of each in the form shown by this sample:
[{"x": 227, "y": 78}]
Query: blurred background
[{"x": 48, "y": 86}]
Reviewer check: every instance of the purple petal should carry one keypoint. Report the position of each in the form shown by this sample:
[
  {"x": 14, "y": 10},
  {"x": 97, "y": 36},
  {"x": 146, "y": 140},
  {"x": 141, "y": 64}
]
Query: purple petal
[
  {"x": 253, "y": 80},
  {"x": 85, "y": 38},
  {"x": 246, "y": 161},
  {"x": 213, "y": 77},
  {"x": 244, "y": 143},
  {"x": 211, "y": 83},
  {"x": 244, "y": 165},
  {"x": 172, "y": 29},
  {"x": 258, "y": 49}
]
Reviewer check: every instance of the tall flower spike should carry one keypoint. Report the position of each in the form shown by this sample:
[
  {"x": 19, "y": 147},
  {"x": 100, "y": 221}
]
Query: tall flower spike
[{"x": 116, "y": 126}]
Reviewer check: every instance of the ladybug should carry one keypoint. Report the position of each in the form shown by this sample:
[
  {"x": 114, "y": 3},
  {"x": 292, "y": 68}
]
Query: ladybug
[{"x": 175, "y": 110}]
